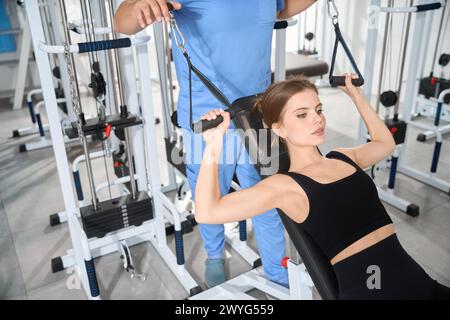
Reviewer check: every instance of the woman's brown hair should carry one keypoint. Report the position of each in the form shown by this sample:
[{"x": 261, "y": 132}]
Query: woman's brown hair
[{"x": 270, "y": 104}]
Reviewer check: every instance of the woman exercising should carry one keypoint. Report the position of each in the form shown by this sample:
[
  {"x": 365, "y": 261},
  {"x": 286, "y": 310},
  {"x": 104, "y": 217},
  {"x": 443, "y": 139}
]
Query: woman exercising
[{"x": 331, "y": 197}]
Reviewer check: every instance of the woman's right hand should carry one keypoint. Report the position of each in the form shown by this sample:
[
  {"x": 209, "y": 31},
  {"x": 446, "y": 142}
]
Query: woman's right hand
[
  {"x": 149, "y": 11},
  {"x": 219, "y": 131}
]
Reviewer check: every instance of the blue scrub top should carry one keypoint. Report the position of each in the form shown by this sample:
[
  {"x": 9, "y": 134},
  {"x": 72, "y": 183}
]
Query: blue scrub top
[{"x": 230, "y": 42}]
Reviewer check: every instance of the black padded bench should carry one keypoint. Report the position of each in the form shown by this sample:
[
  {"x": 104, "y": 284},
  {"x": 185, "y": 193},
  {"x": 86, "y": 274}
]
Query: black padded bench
[{"x": 299, "y": 64}]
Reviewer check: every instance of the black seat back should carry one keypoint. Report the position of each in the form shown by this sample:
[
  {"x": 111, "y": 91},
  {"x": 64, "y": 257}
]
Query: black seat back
[{"x": 317, "y": 264}]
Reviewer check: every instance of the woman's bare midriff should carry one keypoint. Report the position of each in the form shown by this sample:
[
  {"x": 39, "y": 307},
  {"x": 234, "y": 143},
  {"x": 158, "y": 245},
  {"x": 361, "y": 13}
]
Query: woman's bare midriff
[{"x": 365, "y": 242}]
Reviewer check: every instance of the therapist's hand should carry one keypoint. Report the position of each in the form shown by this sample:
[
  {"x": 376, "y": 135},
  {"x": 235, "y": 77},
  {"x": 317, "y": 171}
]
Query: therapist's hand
[{"x": 149, "y": 11}]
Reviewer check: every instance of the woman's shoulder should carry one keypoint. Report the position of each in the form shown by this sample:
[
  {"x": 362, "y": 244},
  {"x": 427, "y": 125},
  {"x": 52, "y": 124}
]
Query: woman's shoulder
[
  {"x": 283, "y": 183},
  {"x": 348, "y": 152},
  {"x": 291, "y": 198}
]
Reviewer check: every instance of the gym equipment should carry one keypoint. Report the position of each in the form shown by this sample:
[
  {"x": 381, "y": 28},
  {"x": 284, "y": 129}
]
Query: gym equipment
[
  {"x": 145, "y": 189},
  {"x": 298, "y": 64},
  {"x": 36, "y": 128},
  {"x": 279, "y": 57},
  {"x": 422, "y": 13},
  {"x": 308, "y": 46},
  {"x": 308, "y": 61},
  {"x": 290, "y": 63},
  {"x": 421, "y": 27},
  {"x": 335, "y": 81},
  {"x": 390, "y": 100},
  {"x": 426, "y": 102},
  {"x": 115, "y": 214},
  {"x": 431, "y": 86},
  {"x": 52, "y": 34}
]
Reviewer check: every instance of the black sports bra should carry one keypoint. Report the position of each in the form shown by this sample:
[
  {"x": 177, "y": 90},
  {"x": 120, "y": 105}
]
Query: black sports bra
[{"x": 343, "y": 211}]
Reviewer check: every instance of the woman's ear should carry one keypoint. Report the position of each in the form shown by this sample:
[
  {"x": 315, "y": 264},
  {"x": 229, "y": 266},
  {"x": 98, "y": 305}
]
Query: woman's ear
[{"x": 278, "y": 129}]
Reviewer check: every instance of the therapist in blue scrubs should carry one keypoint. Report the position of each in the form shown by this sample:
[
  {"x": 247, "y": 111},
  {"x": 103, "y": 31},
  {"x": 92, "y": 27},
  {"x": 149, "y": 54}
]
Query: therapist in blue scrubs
[{"x": 230, "y": 42}]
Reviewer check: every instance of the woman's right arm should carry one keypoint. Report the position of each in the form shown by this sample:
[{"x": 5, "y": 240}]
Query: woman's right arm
[
  {"x": 134, "y": 15},
  {"x": 210, "y": 206}
]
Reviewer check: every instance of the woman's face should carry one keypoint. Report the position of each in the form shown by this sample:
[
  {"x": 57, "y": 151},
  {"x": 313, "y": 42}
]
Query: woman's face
[{"x": 302, "y": 121}]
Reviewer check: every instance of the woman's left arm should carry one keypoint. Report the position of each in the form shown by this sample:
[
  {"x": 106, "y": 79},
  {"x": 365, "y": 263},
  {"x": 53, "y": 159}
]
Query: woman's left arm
[
  {"x": 293, "y": 7},
  {"x": 381, "y": 142}
]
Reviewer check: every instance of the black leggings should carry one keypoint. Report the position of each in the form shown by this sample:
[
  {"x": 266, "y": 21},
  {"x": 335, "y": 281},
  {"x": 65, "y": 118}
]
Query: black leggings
[{"x": 386, "y": 271}]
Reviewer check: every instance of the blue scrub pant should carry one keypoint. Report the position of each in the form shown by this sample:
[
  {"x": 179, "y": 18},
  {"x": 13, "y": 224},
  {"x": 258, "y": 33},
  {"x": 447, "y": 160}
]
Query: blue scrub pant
[{"x": 268, "y": 228}]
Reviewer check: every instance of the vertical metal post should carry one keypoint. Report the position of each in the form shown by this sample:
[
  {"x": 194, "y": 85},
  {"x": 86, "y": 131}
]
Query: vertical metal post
[
  {"x": 280, "y": 55},
  {"x": 158, "y": 33},
  {"x": 62, "y": 164},
  {"x": 128, "y": 145},
  {"x": 372, "y": 34},
  {"x": 402, "y": 65},
  {"x": 77, "y": 102},
  {"x": 383, "y": 55}
]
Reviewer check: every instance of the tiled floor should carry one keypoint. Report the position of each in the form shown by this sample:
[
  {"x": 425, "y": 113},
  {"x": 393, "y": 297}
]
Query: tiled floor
[{"x": 30, "y": 192}]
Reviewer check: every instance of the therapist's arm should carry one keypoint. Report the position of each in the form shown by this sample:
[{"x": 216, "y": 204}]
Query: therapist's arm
[
  {"x": 134, "y": 15},
  {"x": 293, "y": 7}
]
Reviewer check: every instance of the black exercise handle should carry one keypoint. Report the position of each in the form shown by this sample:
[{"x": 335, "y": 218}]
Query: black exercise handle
[
  {"x": 203, "y": 125},
  {"x": 234, "y": 109},
  {"x": 336, "y": 81},
  {"x": 104, "y": 45},
  {"x": 340, "y": 80},
  {"x": 427, "y": 7},
  {"x": 170, "y": 6}
]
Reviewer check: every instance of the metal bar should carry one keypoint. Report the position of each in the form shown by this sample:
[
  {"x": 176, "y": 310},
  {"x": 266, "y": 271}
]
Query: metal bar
[
  {"x": 402, "y": 64},
  {"x": 62, "y": 163},
  {"x": 383, "y": 57},
  {"x": 77, "y": 103}
]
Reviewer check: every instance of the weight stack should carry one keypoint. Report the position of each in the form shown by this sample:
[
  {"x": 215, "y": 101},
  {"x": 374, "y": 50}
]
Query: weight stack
[{"x": 116, "y": 214}]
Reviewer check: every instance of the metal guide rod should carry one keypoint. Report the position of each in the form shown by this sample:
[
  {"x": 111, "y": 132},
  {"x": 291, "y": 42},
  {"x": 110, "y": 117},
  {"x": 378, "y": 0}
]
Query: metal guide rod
[
  {"x": 383, "y": 56},
  {"x": 77, "y": 104},
  {"x": 128, "y": 145},
  {"x": 402, "y": 65}
]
